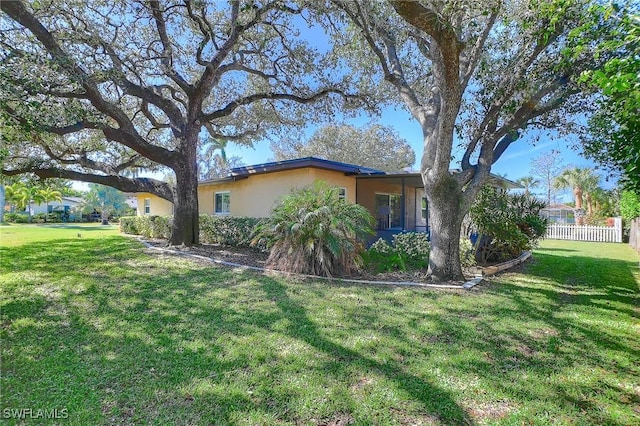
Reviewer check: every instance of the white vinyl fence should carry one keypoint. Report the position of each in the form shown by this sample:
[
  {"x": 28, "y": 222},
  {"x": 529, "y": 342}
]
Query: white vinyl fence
[{"x": 605, "y": 234}]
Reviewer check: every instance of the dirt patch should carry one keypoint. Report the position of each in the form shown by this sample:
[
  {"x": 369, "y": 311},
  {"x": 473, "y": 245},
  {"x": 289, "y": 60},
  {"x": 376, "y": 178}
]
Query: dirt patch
[
  {"x": 247, "y": 256},
  {"x": 338, "y": 419}
]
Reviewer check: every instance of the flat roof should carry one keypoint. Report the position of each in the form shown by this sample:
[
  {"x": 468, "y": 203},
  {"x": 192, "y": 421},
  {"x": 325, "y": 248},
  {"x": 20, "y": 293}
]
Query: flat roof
[
  {"x": 299, "y": 163},
  {"x": 360, "y": 172}
]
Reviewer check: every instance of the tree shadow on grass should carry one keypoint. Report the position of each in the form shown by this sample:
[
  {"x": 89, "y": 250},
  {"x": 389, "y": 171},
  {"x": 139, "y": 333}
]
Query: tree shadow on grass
[
  {"x": 435, "y": 400},
  {"x": 115, "y": 337},
  {"x": 172, "y": 341}
]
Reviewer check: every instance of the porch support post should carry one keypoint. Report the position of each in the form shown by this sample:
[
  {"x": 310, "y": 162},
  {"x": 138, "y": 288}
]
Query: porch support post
[{"x": 402, "y": 205}]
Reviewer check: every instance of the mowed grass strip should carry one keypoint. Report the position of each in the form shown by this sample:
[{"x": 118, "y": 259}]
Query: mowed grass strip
[
  {"x": 117, "y": 335},
  {"x": 18, "y": 234}
]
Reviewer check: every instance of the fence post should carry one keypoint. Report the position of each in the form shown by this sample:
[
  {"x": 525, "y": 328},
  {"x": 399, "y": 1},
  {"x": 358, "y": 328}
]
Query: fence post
[{"x": 617, "y": 224}]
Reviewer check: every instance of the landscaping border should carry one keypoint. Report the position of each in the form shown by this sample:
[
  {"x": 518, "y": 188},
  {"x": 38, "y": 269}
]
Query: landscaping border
[{"x": 468, "y": 285}]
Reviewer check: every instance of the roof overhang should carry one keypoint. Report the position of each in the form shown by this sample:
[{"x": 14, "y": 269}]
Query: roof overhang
[{"x": 299, "y": 163}]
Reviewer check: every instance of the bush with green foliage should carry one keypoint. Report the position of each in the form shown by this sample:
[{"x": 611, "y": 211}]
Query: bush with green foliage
[
  {"x": 232, "y": 231},
  {"x": 409, "y": 251},
  {"x": 16, "y": 217},
  {"x": 227, "y": 230},
  {"x": 129, "y": 225},
  {"x": 629, "y": 205},
  {"x": 147, "y": 226},
  {"x": 506, "y": 224},
  {"x": 314, "y": 231},
  {"x": 46, "y": 218},
  {"x": 467, "y": 254}
]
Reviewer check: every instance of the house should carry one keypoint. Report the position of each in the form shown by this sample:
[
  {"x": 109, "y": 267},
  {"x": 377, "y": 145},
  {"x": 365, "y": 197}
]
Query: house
[
  {"x": 65, "y": 206},
  {"x": 395, "y": 200},
  {"x": 559, "y": 213}
]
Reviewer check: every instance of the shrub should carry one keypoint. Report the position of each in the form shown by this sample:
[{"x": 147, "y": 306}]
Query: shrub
[
  {"x": 313, "y": 231},
  {"x": 129, "y": 225},
  {"x": 467, "y": 254},
  {"x": 233, "y": 231},
  {"x": 507, "y": 224},
  {"x": 228, "y": 230},
  {"x": 408, "y": 251},
  {"x": 46, "y": 218},
  {"x": 16, "y": 217},
  {"x": 382, "y": 257},
  {"x": 147, "y": 226},
  {"x": 413, "y": 248}
]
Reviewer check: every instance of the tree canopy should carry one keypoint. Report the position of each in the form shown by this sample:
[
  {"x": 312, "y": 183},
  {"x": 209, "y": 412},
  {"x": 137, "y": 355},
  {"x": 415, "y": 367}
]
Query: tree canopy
[
  {"x": 94, "y": 90},
  {"x": 376, "y": 146},
  {"x": 474, "y": 74},
  {"x": 613, "y": 138}
]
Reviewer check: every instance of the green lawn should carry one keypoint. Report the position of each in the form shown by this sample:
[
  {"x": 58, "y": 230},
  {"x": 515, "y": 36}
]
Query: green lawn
[
  {"x": 15, "y": 234},
  {"x": 97, "y": 326}
]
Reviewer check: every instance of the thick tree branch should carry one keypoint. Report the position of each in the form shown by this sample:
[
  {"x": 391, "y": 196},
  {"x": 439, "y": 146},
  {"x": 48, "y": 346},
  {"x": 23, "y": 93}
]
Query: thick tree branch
[
  {"x": 232, "y": 106},
  {"x": 471, "y": 62},
  {"x": 126, "y": 134},
  {"x": 167, "y": 59},
  {"x": 153, "y": 186}
]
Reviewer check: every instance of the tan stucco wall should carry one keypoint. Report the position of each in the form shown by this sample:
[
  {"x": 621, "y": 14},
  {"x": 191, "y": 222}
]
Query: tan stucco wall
[
  {"x": 158, "y": 206},
  {"x": 257, "y": 195}
]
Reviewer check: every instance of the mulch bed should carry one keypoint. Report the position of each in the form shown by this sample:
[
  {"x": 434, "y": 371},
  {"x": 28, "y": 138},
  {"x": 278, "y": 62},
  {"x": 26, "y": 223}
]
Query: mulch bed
[{"x": 248, "y": 256}]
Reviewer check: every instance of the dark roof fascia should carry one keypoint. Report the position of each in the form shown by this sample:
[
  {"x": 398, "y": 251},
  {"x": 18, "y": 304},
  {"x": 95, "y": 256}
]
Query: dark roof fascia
[
  {"x": 509, "y": 183},
  {"x": 215, "y": 181},
  {"x": 298, "y": 163},
  {"x": 495, "y": 178}
]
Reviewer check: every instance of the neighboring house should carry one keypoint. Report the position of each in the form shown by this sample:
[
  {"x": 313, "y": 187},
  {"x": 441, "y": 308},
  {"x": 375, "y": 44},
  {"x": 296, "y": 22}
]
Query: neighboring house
[
  {"x": 559, "y": 213},
  {"x": 131, "y": 200},
  {"x": 65, "y": 206},
  {"x": 395, "y": 200}
]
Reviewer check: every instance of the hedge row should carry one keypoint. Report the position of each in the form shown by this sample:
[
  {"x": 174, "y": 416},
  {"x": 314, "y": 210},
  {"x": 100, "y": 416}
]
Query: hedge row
[{"x": 227, "y": 230}]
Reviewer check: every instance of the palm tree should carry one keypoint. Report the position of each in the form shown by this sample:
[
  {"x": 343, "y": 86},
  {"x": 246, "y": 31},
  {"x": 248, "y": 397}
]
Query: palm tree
[
  {"x": 29, "y": 195},
  {"x": 49, "y": 194},
  {"x": 528, "y": 182},
  {"x": 13, "y": 197},
  {"x": 581, "y": 180}
]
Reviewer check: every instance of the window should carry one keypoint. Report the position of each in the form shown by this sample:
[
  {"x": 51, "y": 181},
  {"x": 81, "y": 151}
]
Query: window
[
  {"x": 342, "y": 193},
  {"x": 222, "y": 203},
  {"x": 388, "y": 211},
  {"x": 424, "y": 210},
  {"x": 147, "y": 206}
]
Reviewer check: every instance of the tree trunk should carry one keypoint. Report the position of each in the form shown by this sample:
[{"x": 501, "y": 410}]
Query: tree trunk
[
  {"x": 186, "y": 229},
  {"x": 577, "y": 192},
  {"x": 445, "y": 219},
  {"x": 589, "y": 205},
  {"x": 104, "y": 215},
  {"x": 2, "y": 201}
]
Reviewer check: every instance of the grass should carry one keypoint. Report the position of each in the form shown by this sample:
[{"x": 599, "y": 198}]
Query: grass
[
  {"x": 18, "y": 234},
  {"x": 114, "y": 335}
]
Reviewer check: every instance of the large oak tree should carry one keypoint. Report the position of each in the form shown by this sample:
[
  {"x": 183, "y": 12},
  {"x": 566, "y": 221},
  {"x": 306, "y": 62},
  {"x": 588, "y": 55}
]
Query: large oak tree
[
  {"x": 376, "y": 146},
  {"x": 95, "y": 91},
  {"x": 476, "y": 76}
]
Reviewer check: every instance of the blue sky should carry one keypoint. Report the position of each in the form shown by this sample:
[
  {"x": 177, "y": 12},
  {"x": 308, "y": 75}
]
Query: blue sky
[{"x": 514, "y": 163}]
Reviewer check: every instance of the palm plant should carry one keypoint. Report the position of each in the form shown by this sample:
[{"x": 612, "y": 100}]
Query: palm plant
[
  {"x": 314, "y": 231},
  {"x": 13, "y": 196},
  {"x": 582, "y": 181},
  {"x": 29, "y": 195},
  {"x": 49, "y": 194},
  {"x": 528, "y": 182}
]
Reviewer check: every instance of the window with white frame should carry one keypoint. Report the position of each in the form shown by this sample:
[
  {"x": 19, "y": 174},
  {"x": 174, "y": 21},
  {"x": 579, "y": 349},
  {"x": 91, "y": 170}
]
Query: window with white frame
[
  {"x": 147, "y": 206},
  {"x": 342, "y": 193},
  {"x": 222, "y": 203}
]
